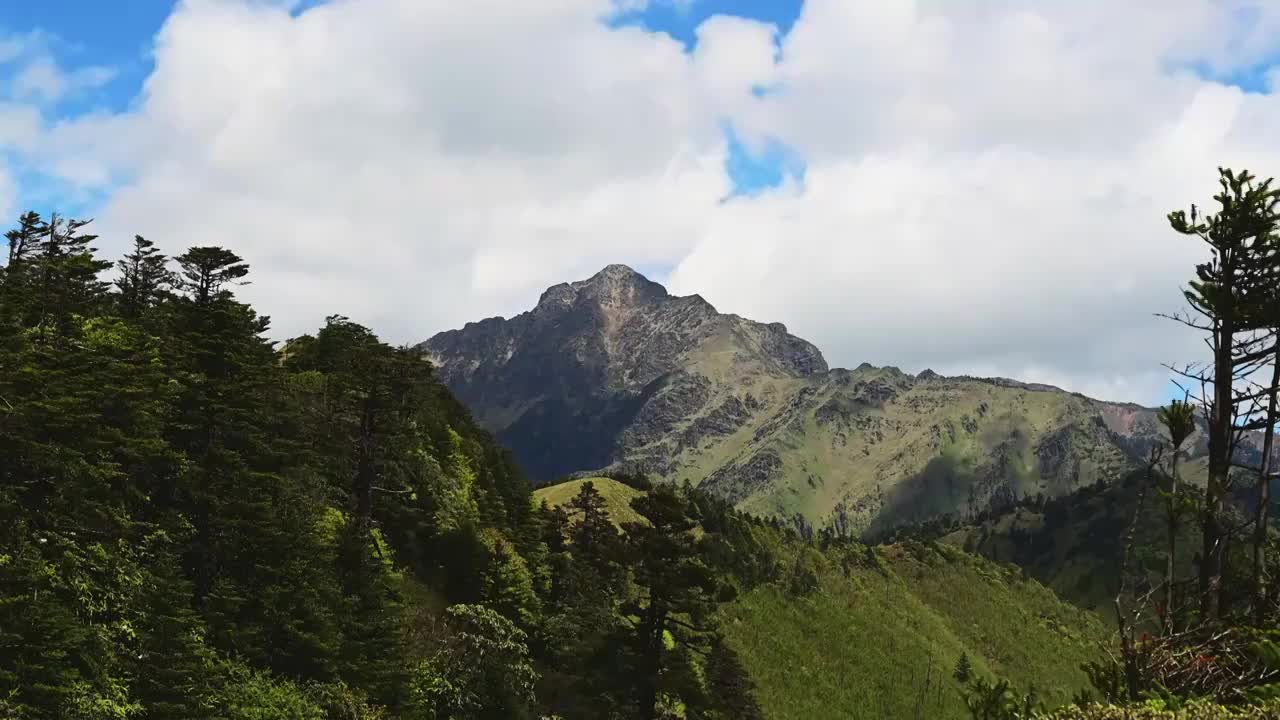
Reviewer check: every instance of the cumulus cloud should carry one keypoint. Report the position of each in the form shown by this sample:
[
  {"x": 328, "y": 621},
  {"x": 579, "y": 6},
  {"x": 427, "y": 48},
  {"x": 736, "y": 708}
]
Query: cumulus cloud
[
  {"x": 985, "y": 188},
  {"x": 414, "y": 165},
  {"x": 987, "y": 184}
]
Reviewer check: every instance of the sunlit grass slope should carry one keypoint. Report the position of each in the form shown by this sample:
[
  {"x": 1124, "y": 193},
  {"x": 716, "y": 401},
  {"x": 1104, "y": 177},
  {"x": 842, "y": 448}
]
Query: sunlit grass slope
[
  {"x": 881, "y": 637},
  {"x": 872, "y": 632},
  {"x": 617, "y": 496}
]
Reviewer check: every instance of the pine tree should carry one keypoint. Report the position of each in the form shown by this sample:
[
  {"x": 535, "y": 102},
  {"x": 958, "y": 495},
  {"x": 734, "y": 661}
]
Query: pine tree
[
  {"x": 196, "y": 526},
  {"x": 595, "y": 540},
  {"x": 143, "y": 277},
  {"x": 676, "y": 595},
  {"x": 80, "y": 431},
  {"x": 964, "y": 670},
  {"x": 175, "y": 672},
  {"x": 1225, "y": 298},
  {"x": 261, "y": 575},
  {"x": 372, "y": 651}
]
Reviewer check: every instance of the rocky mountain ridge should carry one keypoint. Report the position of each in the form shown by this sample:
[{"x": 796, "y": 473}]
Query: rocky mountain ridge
[{"x": 615, "y": 373}]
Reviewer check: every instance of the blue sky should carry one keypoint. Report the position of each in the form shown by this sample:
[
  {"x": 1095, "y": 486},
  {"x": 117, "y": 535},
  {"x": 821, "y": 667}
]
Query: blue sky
[
  {"x": 680, "y": 18},
  {"x": 750, "y": 173},
  {"x": 88, "y": 32},
  {"x": 78, "y": 34}
]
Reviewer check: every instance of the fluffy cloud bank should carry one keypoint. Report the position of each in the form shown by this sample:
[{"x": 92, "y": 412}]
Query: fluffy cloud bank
[{"x": 985, "y": 188}]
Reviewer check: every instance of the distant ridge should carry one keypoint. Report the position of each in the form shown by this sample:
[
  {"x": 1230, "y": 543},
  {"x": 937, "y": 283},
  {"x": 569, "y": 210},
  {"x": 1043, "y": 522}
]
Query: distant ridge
[{"x": 615, "y": 373}]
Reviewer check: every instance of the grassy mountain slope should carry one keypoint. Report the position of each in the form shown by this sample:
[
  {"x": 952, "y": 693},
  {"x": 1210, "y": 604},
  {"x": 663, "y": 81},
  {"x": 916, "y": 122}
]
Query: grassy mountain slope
[
  {"x": 885, "y": 448},
  {"x": 881, "y": 639},
  {"x": 617, "y": 496},
  {"x": 1074, "y": 543},
  {"x": 872, "y": 632}
]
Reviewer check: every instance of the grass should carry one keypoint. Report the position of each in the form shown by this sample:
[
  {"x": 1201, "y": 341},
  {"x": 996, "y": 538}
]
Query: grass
[
  {"x": 876, "y": 456},
  {"x": 617, "y": 497},
  {"x": 882, "y": 640},
  {"x": 1073, "y": 544}
]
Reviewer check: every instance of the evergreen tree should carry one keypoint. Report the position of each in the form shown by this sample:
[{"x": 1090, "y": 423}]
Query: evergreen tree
[
  {"x": 175, "y": 673},
  {"x": 1225, "y": 298},
  {"x": 675, "y": 600},
  {"x": 595, "y": 539},
  {"x": 197, "y": 526},
  {"x": 66, "y": 285},
  {"x": 371, "y": 656},
  {"x": 143, "y": 277},
  {"x": 261, "y": 576},
  {"x": 963, "y": 670}
]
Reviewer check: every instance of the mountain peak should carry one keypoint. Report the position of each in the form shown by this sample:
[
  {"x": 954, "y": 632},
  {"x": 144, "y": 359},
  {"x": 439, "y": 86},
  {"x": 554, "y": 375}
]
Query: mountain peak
[
  {"x": 619, "y": 285},
  {"x": 614, "y": 285},
  {"x": 616, "y": 271}
]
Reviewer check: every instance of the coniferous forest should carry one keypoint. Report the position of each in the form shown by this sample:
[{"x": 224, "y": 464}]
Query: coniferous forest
[{"x": 201, "y": 523}]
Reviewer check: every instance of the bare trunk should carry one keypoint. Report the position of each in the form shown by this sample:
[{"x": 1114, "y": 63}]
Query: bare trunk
[
  {"x": 1220, "y": 428},
  {"x": 365, "y": 470},
  {"x": 1169, "y": 579},
  {"x": 1264, "y": 499},
  {"x": 652, "y": 662},
  {"x": 1128, "y": 649}
]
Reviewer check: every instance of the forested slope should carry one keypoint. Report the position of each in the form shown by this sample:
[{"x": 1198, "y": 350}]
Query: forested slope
[
  {"x": 845, "y": 630},
  {"x": 197, "y": 525}
]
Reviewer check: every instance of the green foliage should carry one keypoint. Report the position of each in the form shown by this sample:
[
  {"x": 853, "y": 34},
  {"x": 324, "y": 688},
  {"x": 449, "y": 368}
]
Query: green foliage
[
  {"x": 675, "y": 598},
  {"x": 252, "y": 695},
  {"x": 1179, "y": 418},
  {"x": 199, "y": 526},
  {"x": 997, "y": 700},
  {"x": 478, "y": 668},
  {"x": 456, "y": 488},
  {"x": 1195, "y": 710}
]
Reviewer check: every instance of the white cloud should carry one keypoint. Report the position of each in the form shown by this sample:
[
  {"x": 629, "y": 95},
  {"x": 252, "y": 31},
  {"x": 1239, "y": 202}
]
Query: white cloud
[
  {"x": 409, "y": 164},
  {"x": 36, "y": 76},
  {"x": 985, "y": 190},
  {"x": 43, "y": 80}
]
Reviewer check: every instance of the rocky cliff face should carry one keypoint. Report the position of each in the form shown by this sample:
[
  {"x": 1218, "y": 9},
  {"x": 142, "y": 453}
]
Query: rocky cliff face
[
  {"x": 613, "y": 372},
  {"x": 601, "y": 364}
]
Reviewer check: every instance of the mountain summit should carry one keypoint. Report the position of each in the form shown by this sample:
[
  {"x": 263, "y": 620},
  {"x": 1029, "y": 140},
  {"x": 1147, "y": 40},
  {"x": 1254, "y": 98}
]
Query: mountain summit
[
  {"x": 600, "y": 363},
  {"x": 615, "y": 373}
]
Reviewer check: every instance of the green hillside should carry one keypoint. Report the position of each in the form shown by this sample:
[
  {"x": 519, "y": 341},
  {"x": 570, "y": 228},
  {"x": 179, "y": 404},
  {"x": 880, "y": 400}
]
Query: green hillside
[
  {"x": 1073, "y": 544},
  {"x": 617, "y": 496},
  {"x": 854, "y": 631},
  {"x": 880, "y": 638}
]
